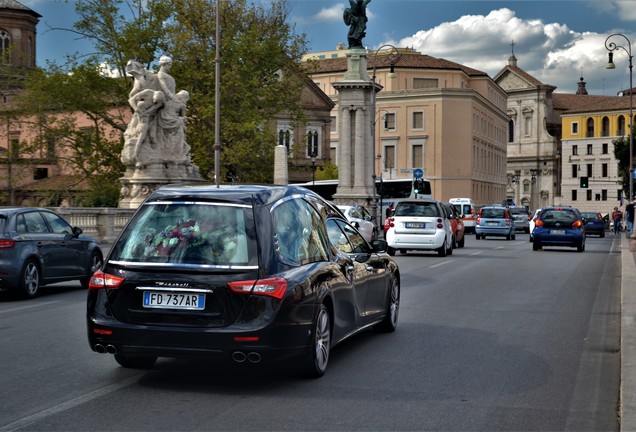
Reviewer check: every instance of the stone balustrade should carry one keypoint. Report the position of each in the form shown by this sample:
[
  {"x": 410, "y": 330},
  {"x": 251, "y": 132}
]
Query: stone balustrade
[{"x": 104, "y": 224}]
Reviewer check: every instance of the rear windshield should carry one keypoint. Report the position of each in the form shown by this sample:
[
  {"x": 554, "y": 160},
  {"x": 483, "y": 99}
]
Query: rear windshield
[
  {"x": 190, "y": 233},
  {"x": 494, "y": 213},
  {"x": 518, "y": 210},
  {"x": 417, "y": 209},
  {"x": 556, "y": 215},
  {"x": 463, "y": 209},
  {"x": 590, "y": 215}
]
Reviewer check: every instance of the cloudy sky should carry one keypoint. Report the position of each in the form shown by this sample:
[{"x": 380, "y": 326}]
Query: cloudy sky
[{"x": 555, "y": 41}]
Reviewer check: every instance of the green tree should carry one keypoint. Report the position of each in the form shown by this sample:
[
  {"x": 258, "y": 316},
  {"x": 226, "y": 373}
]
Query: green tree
[
  {"x": 259, "y": 54},
  {"x": 621, "y": 153}
]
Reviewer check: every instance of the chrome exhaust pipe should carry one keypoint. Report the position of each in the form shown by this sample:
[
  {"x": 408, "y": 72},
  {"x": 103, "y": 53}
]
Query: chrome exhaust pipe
[
  {"x": 111, "y": 349},
  {"x": 239, "y": 356},
  {"x": 254, "y": 357},
  {"x": 99, "y": 348}
]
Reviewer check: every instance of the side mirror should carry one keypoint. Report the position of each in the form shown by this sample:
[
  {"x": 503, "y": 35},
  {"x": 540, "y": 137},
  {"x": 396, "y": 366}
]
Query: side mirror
[
  {"x": 356, "y": 225},
  {"x": 77, "y": 231},
  {"x": 379, "y": 245}
]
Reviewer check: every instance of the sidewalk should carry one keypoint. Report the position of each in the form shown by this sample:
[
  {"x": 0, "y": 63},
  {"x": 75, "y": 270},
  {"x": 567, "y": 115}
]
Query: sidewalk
[{"x": 628, "y": 344}]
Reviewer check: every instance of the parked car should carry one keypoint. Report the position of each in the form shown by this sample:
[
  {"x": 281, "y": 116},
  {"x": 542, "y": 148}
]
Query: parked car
[
  {"x": 457, "y": 225},
  {"x": 495, "y": 221},
  {"x": 248, "y": 274},
  {"x": 361, "y": 219},
  {"x": 466, "y": 208},
  {"x": 38, "y": 247},
  {"x": 521, "y": 217},
  {"x": 532, "y": 222},
  {"x": 594, "y": 223},
  {"x": 559, "y": 226},
  {"x": 419, "y": 225}
]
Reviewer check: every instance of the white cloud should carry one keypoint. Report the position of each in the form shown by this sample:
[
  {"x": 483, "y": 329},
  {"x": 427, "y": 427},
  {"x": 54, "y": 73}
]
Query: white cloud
[
  {"x": 551, "y": 52},
  {"x": 331, "y": 14}
]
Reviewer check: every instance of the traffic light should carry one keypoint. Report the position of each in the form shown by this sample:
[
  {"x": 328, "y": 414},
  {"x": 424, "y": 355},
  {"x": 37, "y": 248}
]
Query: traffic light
[{"x": 584, "y": 181}]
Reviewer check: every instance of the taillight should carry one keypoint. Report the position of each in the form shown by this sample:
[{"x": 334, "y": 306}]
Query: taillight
[
  {"x": 7, "y": 244},
  {"x": 101, "y": 280},
  {"x": 478, "y": 220},
  {"x": 440, "y": 224},
  {"x": 390, "y": 222},
  {"x": 577, "y": 224},
  {"x": 273, "y": 287},
  {"x": 538, "y": 223}
]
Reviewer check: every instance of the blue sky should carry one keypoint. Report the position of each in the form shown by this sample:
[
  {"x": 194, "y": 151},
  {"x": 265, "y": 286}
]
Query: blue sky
[{"x": 555, "y": 41}]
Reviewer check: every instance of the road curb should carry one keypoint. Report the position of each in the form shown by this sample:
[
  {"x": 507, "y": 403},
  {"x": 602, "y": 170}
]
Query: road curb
[{"x": 628, "y": 340}]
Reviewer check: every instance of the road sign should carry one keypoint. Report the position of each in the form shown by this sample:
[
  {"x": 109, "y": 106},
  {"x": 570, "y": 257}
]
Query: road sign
[{"x": 418, "y": 173}]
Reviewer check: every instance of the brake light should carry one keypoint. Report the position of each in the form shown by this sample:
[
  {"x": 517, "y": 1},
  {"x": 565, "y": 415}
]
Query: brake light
[
  {"x": 440, "y": 225},
  {"x": 7, "y": 244},
  {"x": 272, "y": 287},
  {"x": 390, "y": 222},
  {"x": 101, "y": 280},
  {"x": 577, "y": 224},
  {"x": 538, "y": 223}
]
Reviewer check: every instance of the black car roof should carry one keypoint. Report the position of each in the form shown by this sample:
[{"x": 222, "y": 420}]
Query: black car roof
[{"x": 236, "y": 193}]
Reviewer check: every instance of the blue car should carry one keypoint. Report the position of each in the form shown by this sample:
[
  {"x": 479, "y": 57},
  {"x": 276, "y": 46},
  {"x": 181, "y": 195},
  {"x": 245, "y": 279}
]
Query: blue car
[
  {"x": 594, "y": 223},
  {"x": 559, "y": 226}
]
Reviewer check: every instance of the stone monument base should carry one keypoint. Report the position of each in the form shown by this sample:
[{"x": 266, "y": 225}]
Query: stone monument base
[{"x": 139, "y": 183}]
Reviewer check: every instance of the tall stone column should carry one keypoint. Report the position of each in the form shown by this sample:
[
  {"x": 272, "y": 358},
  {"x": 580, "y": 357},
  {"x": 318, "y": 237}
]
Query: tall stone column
[{"x": 356, "y": 145}]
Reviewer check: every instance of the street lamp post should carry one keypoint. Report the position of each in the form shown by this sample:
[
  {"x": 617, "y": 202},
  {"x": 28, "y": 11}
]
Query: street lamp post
[
  {"x": 611, "y": 47},
  {"x": 393, "y": 57}
]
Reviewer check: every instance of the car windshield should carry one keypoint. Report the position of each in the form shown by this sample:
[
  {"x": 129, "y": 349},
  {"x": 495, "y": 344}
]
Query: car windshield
[
  {"x": 493, "y": 213},
  {"x": 426, "y": 209},
  {"x": 518, "y": 211},
  {"x": 190, "y": 233}
]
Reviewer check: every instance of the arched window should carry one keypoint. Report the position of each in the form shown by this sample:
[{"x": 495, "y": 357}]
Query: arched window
[
  {"x": 590, "y": 127},
  {"x": 621, "y": 126},
  {"x": 605, "y": 127},
  {"x": 312, "y": 143},
  {"x": 5, "y": 45}
]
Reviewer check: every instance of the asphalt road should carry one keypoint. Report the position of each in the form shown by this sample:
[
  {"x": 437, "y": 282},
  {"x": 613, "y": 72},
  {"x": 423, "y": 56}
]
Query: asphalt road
[{"x": 495, "y": 337}]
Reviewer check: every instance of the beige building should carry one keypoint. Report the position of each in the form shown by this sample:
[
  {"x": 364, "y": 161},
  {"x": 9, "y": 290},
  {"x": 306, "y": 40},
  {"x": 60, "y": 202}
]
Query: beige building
[{"x": 431, "y": 113}]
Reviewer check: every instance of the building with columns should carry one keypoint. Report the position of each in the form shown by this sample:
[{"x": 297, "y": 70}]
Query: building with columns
[{"x": 445, "y": 118}]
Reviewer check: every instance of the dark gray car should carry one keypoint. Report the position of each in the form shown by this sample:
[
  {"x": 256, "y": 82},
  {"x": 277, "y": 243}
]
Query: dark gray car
[
  {"x": 521, "y": 216},
  {"x": 38, "y": 247}
]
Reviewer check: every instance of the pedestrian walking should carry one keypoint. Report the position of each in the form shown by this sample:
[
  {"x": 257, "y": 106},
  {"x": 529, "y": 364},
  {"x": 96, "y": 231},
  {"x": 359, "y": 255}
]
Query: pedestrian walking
[
  {"x": 629, "y": 217},
  {"x": 617, "y": 218}
]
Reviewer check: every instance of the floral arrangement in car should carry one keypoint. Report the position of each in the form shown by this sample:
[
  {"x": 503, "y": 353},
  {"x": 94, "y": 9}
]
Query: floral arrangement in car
[{"x": 186, "y": 236}]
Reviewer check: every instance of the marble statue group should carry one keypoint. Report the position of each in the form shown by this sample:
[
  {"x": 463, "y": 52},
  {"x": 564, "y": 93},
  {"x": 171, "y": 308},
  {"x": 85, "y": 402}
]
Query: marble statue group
[{"x": 156, "y": 133}]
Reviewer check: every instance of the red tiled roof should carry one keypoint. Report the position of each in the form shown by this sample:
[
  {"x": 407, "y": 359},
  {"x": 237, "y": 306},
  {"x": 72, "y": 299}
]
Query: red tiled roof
[
  {"x": 405, "y": 61},
  {"x": 573, "y": 103},
  {"x": 62, "y": 182}
]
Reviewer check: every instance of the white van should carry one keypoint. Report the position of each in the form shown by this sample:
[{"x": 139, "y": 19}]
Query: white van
[{"x": 465, "y": 207}]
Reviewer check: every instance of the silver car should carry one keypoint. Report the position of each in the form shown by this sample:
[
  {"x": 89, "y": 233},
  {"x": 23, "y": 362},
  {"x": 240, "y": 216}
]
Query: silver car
[
  {"x": 521, "y": 216},
  {"x": 495, "y": 221}
]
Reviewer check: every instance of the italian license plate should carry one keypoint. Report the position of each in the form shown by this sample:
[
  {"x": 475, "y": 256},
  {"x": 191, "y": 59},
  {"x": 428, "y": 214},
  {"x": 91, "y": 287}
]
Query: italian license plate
[
  {"x": 557, "y": 232},
  {"x": 493, "y": 223},
  {"x": 415, "y": 225},
  {"x": 189, "y": 301}
]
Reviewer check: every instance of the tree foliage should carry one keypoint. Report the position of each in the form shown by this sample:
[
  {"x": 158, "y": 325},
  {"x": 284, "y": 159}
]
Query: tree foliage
[
  {"x": 621, "y": 153},
  {"x": 259, "y": 52}
]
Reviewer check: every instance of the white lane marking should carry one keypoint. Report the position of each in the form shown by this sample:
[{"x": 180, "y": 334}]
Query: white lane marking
[
  {"x": 440, "y": 264},
  {"x": 477, "y": 253},
  {"x": 29, "y": 420},
  {"x": 28, "y": 306}
]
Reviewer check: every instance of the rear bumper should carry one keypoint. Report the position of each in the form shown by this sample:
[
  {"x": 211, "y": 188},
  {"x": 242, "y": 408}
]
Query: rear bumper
[
  {"x": 494, "y": 231},
  {"x": 271, "y": 344},
  {"x": 415, "y": 241}
]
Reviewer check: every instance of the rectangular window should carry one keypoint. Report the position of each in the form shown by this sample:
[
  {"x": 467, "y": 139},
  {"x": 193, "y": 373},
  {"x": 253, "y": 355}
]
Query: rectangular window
[
  {"x": 605, "y": 168},
  {"x": 575, "y": 150},
  {"x": 589, "y": 149},
  {"x": 603, "y": 194},
  {"x": 574, "y": 194},
  {"x": 421, "y": 83},
  {"x": 40, "y": 173},
  {"x": 418, "y": 120},
  {"x": 589, "y": 194},
  {"x": 575, "y": 171},
  {"x": 589, "y": 170},
  {"x": 417, "y": 157},
  {"x": 334, "y": 124},
  {"x": 389, "y": 121},
  {"x": 389, "y": 158},
  {"x": 605, "y": 148},
  {"x": 575, "y": 128}
]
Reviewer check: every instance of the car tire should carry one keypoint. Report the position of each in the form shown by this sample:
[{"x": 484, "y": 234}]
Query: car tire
[
  {"x": 318, "y": 358},
  {"x": 442, "y": 251},
  {"x": 581, "y": 247},
  {"x": 135, "y": 362},
  {"x": 514, "y": 236},
  {"x": 536, "y": 246},
  {"x": 390, "y": 251},
  {"x": 477, "y": 236},
  {"x": 389, "y": 323},
  {"x": 461, "y": 242},
  {"x": 602, "y": 234},
  {"x": 94, "y": 264},
  {"x": 403, "y": 251},
  {"x": 30, "y": 278}
]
